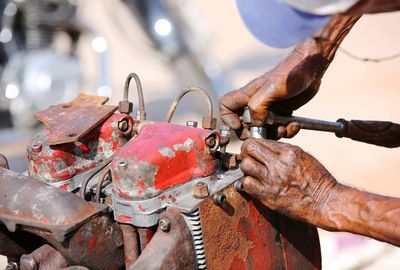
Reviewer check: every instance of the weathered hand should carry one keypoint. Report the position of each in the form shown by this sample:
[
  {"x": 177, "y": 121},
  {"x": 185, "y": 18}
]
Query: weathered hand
[
  {"x": 285, "y": 178},
  {"x": 283, "y": 89}
]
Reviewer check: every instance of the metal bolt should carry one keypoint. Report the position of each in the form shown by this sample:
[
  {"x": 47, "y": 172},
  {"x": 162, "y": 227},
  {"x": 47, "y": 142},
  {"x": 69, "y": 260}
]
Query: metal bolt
[
  {"x": 123, "y": 125},
  {"x": 13, "y": 266},
  {"x": 225, "y": 131},
  {"x": 200, "y": 190},
  {"x": 37, "y": 147},
  {"x": 219, "y": 199},
  {"x": 164, "y": 224},
  {"x": 238, "y": 186},
  {"x": 122, "y": 165},
  {"x": 191, "y": 124},
  {"x": 258, "y": 132},
  {"x": 210, "y": 141}
]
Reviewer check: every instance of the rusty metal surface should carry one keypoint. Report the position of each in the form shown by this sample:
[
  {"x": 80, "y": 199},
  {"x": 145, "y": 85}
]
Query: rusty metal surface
[
  {"x": 131, "y": 244},
  {"x": 14, "y": 245},
  {"x": 168, "y": 250},
  {"x": 56, "y": 163},
  {"x": 71, "y": 121},
  {"x": 25, "y": 201},
  {"x": 163, "y": 155},
  {"x": 243, "y": 234},
  {"x": 97, "y": 244}
]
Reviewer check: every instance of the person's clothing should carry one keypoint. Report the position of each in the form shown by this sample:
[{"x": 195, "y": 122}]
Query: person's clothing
[
  {"x": 321, "y": 7},
  {"x": 285, "y": 23}
]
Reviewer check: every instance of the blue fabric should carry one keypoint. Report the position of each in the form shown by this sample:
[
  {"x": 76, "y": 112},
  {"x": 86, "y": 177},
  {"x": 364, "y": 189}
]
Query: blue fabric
[{"x": 278, "y": 25}]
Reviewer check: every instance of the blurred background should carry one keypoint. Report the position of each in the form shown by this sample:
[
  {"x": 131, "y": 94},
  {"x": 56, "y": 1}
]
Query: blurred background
[{"x": 51, "y": 50}]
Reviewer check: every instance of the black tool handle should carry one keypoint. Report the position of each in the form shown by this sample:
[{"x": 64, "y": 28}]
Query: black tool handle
[{"x": 380, "y": 133}]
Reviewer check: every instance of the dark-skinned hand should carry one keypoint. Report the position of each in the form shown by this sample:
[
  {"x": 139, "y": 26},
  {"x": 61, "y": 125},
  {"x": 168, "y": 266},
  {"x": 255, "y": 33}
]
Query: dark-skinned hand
[
  {"x": 283, "y": 89},
  {"x": 285, "y": 178}
]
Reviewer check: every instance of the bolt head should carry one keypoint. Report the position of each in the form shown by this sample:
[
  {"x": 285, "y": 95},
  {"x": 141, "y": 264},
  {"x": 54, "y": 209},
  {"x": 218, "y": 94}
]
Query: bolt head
[
  {"x": 210, "y": 141},
  {"x": 36, "y": 147},
  {"x": 219, "y": 199},
  {"x": 164, "y": 224},
  {"x": 123, "y": 125},
  {"x": 122, "y": 165},
  {"x": 238, "y": 186},
  {"x": 191, "y": 124},
  {"x": 200, "y": 190}
]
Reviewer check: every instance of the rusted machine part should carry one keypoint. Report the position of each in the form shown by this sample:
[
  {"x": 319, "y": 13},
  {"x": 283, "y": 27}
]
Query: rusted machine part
[
  {"x": 71, "y": 121},
  {"x": 14, "y": 245},
  {"x": 244, "y": 234},
  {"x": 97, "y": 244},
  {"x": 171, "y": 247},
  {"x": 3, "y": 162},
  {"x": 145, "y": 236},
  {"x": 82, "y": 232},
  {"x": 131, "y": 244},
  {"x": 27, "y": 202}
]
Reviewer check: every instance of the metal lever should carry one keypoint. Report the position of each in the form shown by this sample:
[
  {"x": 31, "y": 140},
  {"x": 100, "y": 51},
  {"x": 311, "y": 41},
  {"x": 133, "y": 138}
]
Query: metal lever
[{"x": 379, "y": 133}]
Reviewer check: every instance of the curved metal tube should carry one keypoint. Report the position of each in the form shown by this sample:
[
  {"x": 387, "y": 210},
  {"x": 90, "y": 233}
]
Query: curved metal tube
[{"x": 190, "y": 89}]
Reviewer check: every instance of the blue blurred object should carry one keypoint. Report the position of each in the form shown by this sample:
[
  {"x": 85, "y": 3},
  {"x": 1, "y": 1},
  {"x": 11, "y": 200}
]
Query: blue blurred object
[{"x": 277, "y": 24}]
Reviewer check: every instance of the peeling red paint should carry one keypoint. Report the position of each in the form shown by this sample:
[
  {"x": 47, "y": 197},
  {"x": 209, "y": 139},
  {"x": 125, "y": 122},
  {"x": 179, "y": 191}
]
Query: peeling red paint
[
  {"x": 92, "y": 242},
  {"x": 140, "y": 184},
  {"x": 124, "y": 219},
  {"x": 79, "y": 239},
  {"x": 141, "y": 208},
  {"x": 169, "y": 154},
  {"x": 63, "y": 161}
]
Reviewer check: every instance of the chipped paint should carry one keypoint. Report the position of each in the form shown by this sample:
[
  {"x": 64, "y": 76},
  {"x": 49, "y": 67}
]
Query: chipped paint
[{"x": 167, "y": 152}]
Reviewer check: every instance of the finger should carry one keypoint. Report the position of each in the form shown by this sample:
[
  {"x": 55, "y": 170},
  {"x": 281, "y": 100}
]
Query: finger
[
  {"x": 251, "y": 167},
  {"x": 276, "y": 132},
  {"x": 260, "y": 149},
  {"x": 292, "y": 129},
  {"x": 231, "y": 105},
  {"x": 27, "y": 262},
  {"x": 254, "y": 187}
]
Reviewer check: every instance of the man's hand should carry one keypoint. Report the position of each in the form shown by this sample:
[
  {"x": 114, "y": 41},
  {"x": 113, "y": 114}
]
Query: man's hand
[
  {"x": 286, "y": 179},
  {"x": 283, "y": 89},
  {"x": 289, "y": 85}
]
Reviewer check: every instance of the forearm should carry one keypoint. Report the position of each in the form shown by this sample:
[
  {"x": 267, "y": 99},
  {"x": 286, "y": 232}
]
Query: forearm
[
  {"x": 351, "y": 210},
  {"x": 320, "y": 49},
  {"x": 374, "y": 6}
]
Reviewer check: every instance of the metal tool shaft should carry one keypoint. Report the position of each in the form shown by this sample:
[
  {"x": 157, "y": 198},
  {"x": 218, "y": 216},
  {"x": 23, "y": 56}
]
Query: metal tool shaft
[{"x": 305, "y": 123}]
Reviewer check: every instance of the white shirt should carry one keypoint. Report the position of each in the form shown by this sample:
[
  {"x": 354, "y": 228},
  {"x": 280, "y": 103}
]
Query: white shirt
[{"x": 321, "y": 7}]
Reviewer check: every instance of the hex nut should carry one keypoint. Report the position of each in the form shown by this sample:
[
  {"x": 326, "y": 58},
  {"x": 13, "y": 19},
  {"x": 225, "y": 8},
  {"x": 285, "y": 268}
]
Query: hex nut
[
  {"x": 122, "y": 165},
  {"x": 238, "y": 186},
  {"x": 125, "y": 106},
  {"x": 123, "y": 125},
  {"x": 164, "y": 224},
  {"x": 36, "y": 147},
  {"x": 191, "y": 124},
  {"x": 209, "y": 122},
  {"x": 200, "y": 190},
  {"x": 219, "y": 199}
]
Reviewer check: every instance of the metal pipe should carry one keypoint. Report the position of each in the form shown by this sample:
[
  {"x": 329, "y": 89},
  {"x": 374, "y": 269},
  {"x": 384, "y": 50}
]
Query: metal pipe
[
  {"x": 139, "y": 93},
  {"x": 131, "y": 244},
  {"x": 191, "y": 89}
]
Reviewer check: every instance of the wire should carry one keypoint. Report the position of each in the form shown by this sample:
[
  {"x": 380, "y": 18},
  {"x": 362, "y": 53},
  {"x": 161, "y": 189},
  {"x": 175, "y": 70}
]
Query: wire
[
  {"x": 100, "y": 182},
  {"x": 86, "y": 181},
  {"x": 367, "y": 59},
  {"x": 190, "y": 89},
  {"x": 139, "y": 93}
]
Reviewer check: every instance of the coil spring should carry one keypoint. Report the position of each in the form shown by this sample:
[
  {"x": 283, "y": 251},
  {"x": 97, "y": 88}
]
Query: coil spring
[{"x": 194, "y": 224}]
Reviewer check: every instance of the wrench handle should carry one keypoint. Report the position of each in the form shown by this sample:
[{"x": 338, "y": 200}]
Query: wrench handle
[{"x": 381, "y": 133}]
